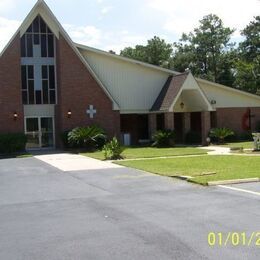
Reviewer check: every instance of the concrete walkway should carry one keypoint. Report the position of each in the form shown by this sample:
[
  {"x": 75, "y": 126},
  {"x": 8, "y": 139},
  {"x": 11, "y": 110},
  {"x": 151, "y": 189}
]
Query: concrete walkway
[
  {"x": 217, "y": 150},
  {"x": 74, "y": 162}
]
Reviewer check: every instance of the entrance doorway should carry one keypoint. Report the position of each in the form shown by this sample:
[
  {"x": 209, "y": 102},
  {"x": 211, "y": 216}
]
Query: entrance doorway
[
  {"x": 195, "y": 125},
  {"x": 178, "y": 127},
  {"x": 39, "y": 132}
]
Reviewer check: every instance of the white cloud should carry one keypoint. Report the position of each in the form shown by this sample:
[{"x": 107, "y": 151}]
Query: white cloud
[
  {"x": 88, "y": 35},
  {"x": 6, "y": 5},
  {"x": 106, "y": 9},
  {"x": 183, "y": 16},
  {"x": 105, "y": 40},
  {"x": 118, "y": 41},
  {"x": 7, "y": 30}
]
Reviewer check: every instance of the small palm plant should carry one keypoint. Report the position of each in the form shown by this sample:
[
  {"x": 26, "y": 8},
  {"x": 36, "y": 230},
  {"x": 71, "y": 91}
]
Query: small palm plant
[
  {"x": 221, "y": 133},
  {"x": 113, "y": 150},
  {"x": 163, "y": 138},
  {"x": 87, "y": 137}
]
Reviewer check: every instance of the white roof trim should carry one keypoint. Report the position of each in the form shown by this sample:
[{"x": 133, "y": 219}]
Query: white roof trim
[
  {"x": 87, "y": 48},
  {"x": 68, "y": 39},
  {"x": 241, "y": 92},
  {"x": 198, "y": 88}
]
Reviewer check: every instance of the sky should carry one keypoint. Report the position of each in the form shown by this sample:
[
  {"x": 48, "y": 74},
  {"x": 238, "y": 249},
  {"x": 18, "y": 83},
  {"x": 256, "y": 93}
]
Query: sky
[{"x": 115, "y": 24}]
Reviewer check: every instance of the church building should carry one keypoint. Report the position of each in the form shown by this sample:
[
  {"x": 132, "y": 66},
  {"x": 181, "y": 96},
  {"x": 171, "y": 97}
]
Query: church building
[{"x": 49, "y": 84}]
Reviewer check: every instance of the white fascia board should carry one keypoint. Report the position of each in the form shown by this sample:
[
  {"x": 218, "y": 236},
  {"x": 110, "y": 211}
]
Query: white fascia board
[{"x": 122, "y": 112}]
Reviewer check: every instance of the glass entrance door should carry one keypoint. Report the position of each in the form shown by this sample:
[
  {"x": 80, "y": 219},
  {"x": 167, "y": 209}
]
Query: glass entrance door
[{"x": 39, "y": 132}]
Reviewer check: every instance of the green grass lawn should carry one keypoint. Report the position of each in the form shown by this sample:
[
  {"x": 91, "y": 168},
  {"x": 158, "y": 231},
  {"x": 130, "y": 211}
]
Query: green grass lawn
[
  {"x": 245, "y": 145},
  {"x": 16, "y": 155},
  {"x": 149, "y": 152},
  {"x": 226, "y": 167}
]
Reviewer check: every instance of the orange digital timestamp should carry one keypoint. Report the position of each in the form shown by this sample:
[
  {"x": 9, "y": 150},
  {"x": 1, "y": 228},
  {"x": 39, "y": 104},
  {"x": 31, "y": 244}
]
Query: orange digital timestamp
[{"x": 233, "y": 239}]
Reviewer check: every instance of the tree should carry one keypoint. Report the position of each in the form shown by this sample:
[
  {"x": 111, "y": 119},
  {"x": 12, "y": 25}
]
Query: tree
[
  {"x": 156, "y": 52},
  {"x": 203, "y": 49},
  {"x": 137, "y": 53},
  {"x": 248, "y": 75},
  {"x": 250, "y": 47},
  {"x": 248, "y": 66}
]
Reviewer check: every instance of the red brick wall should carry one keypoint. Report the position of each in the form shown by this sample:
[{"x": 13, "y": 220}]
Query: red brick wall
[
  {"x": 77, "y": 89},
  {"x": 232, "y": 118},
  {"x": 10, "y": 89}
]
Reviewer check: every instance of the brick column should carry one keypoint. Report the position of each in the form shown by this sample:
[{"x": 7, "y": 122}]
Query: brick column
[
  {"x": 186, "y": 122},
  {"x": 152, "y": 124},
  {"x": 205, "y": 126},
  {"x": 169, "y": 120}
]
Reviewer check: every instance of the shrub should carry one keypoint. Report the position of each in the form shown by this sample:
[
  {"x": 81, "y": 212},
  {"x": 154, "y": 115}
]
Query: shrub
[
  {"x": 163, "y": 138},
  {"x": 193, "y": 137},
  {"x": 258, "y": 127},
  {"x": 112, "y": 150},
  {"x": 246, "y": 136},
  {"x": 91, "y": 137},
  {"x": 64, "y": 138},
  {"x": 221, "y": 133},
  {"x": 12, "y": 143}
]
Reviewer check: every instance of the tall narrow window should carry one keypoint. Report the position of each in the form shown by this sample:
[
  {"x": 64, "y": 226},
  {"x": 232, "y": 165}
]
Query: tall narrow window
[{"x": 38, "y": 64}]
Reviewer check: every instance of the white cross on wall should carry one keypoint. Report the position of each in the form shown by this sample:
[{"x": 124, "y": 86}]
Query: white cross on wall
[{"x": 91, "y": 111}]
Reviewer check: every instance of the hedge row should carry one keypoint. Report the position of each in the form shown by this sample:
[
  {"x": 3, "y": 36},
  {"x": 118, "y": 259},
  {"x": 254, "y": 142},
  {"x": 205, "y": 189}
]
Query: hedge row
[{"x": 12, "y": 143}]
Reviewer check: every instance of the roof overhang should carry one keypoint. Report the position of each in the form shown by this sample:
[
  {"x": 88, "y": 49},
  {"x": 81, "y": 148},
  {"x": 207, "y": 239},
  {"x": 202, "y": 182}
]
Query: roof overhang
[{"x": 191, "y": 96}]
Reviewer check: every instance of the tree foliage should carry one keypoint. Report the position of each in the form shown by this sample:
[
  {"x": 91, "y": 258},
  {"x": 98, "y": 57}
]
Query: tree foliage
[
  {"x": 208, "y": 53},
  {"x": 205, "y": 47},
  {"x": 156, "y": 52},
  {"x": 248, "y": 66}
]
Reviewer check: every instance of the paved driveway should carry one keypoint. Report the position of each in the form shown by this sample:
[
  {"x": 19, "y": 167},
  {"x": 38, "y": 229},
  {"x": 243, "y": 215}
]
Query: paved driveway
[{"x": 116, "y": 213}]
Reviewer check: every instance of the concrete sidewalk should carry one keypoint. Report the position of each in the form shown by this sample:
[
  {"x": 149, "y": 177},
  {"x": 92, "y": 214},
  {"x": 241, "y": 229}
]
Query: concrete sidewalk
[
  {"x": 74, "y": 162},
  {"x": 217, "y": 150}
]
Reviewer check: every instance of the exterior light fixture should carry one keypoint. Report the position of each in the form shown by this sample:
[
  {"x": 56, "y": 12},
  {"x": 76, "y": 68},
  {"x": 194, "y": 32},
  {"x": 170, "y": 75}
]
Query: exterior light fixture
[
  {"x": 213, "y": 102},
  {"x": 15, "y": 116},
  {"x": 69, "y": 113},
  {"x": 182, "y": 105}
]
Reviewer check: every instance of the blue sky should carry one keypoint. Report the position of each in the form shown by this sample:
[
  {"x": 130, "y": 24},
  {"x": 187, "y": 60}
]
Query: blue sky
[{"x": 115, "y": 24}]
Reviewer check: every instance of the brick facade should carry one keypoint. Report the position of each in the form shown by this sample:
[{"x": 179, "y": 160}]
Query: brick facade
[
  {"x": 205, "y": 126},
  {"x": 10, "y": 89},
  {"x": 232, "y": 118},
  {"x": 151, "y": 124},
  {"x": 169, "y": 120},
  {"x": 77, "y": 89}
]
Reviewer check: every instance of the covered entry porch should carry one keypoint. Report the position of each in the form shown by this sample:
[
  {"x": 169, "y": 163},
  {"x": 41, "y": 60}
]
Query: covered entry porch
[
  {"x": 183, "y": 107},
  {"x": 189, "y": 127}
]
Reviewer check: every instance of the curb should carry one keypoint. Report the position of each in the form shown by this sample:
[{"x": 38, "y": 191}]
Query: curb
[
  {"x": 181, "y": 177},
  {"x": 236, "y": 181}
]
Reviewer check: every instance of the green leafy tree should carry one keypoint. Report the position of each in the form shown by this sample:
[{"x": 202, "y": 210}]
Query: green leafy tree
[
  {"x": 248, "y": 66},
  {"x": 203, "y": 50},
  {"x": 156, "y": 52},
  {"x": 250, "y": 47}
]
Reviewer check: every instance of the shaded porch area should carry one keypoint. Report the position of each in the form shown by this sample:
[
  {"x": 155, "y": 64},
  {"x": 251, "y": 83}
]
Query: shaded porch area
[
  {"x": 134, "y": 129},
  {"x": 189, "y": 127}
]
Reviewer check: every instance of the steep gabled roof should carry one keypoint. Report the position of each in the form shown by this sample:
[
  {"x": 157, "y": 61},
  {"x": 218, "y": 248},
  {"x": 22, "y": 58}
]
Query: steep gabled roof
[
  {"x": 42, "y": 8},
  {"x": 169, "y": 92}
]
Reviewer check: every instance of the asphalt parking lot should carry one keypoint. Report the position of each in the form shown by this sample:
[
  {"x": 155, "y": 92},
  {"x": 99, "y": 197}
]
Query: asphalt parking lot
[
  {"x": 119, "y": 213},
  {"x": 251, "y": 188}
]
